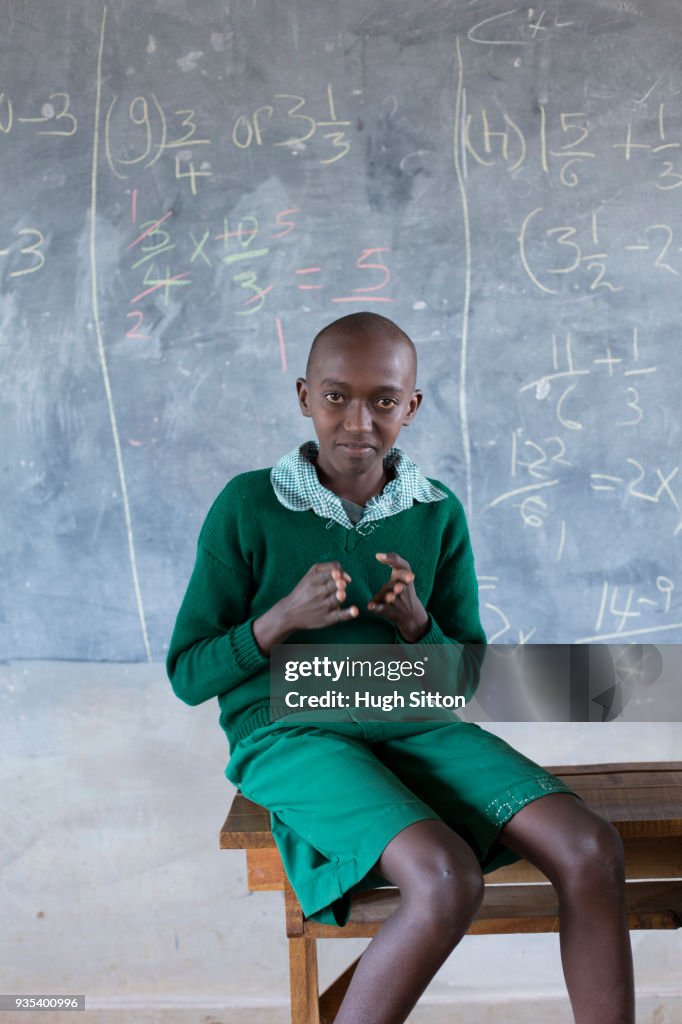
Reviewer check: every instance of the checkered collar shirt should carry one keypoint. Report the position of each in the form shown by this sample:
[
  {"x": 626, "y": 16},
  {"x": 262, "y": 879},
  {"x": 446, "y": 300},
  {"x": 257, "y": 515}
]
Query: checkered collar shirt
[{"x": 297, "y": 487}]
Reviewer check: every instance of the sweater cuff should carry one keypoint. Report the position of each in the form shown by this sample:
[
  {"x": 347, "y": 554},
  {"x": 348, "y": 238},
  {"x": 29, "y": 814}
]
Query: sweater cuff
[
  {"x": 246, "y": 651},
  {"x": 433, "y": 635}
]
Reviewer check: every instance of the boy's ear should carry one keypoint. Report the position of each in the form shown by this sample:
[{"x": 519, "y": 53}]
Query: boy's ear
[
  {"x": 415, "y": 402},
  {"x": 303, "y": 396}
]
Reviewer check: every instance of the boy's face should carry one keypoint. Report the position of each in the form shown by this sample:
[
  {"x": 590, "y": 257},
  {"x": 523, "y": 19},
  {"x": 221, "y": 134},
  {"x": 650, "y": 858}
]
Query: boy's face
[{"x": 359, "y": 393}]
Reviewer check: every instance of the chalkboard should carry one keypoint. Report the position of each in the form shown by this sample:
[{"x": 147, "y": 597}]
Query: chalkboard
[{"x": 192, "y": 189}]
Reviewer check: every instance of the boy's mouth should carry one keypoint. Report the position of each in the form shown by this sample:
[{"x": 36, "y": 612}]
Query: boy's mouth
[{"x": 356, "y": 447}]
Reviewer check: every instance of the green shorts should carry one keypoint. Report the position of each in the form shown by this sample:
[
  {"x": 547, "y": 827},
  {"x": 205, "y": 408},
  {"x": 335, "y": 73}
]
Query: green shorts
[{"x": 339, "y": 792}]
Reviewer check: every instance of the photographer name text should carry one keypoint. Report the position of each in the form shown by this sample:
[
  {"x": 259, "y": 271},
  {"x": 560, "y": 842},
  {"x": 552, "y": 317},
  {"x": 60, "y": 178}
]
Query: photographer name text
[{"x": 363, "y": 699}]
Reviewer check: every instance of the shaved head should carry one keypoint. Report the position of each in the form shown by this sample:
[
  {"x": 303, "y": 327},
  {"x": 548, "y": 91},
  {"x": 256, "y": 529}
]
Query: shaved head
[{"x": 364, "y": 328}]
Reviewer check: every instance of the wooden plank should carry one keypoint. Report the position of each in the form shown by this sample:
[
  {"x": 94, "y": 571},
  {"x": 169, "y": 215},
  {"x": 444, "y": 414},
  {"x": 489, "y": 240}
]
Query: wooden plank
[
  {"x": 645, "y": 857},
  {"x": 264, "y": 870},
  {"x": 514, "y": 909},
  {"x": 305, "y": 1007},
  {"x": 651, "y": 812},
  {"x": 649, "y": 905},
  {"x": 292, "y": 912},
  {"x": 627, "y": 780},
  {"x": 247, "y": 826},
  {"x": 660, "y": 858},
  {"x": 652, "y": 799},
  {"x": 645, "y": 921},
  {"x": 620, "y": 766},
  {"x": 645, "y": 799}
]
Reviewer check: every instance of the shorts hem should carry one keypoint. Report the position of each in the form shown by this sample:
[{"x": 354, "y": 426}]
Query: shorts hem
[
  {"x": 505, "y": 806},
  {"x": 326, "y": 898}
]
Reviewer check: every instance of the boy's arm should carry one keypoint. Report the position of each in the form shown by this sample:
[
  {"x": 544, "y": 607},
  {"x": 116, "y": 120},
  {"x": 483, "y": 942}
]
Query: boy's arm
[
  {"x": 450, "y": 614},
  {"x": 213, "y": 649},
  {"x": 453, "y": 607}
]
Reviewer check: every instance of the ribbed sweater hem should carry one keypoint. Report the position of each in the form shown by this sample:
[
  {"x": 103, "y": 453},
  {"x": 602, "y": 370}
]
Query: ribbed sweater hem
[{"x": 260, "y": 717}]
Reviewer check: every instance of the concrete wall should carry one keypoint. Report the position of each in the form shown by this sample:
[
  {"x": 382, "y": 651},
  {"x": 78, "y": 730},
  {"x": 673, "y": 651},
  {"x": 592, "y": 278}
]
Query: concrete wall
[{"x": 112, "y": 883}]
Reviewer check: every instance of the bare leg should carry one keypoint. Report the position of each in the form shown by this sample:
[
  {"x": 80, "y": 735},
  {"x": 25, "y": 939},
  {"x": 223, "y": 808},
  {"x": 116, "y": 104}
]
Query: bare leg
[
  {"x": 441, "y": 888},
  {"x": 582, "y": 855}
]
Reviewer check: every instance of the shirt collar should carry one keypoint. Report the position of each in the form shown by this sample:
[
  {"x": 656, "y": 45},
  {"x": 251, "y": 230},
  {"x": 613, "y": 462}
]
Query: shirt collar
[{"x": 298, "y": 488}]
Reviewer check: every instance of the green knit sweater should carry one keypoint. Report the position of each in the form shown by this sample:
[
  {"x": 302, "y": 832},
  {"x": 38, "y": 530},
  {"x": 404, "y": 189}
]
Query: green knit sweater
[{"x": 252, "y": 551}]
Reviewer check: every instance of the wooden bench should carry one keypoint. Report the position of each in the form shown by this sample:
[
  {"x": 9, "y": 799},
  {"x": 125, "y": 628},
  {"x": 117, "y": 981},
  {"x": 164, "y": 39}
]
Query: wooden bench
[{"x": 643, "y": 801}]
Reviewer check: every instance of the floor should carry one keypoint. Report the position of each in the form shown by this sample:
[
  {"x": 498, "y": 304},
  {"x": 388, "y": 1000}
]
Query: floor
[{"x": 650, "y": 1010}]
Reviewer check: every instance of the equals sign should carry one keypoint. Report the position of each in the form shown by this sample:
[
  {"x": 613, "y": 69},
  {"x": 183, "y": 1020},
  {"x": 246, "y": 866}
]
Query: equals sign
[
  {"x": 309, "y": 270},
  {"x": 608, "y": 483}
]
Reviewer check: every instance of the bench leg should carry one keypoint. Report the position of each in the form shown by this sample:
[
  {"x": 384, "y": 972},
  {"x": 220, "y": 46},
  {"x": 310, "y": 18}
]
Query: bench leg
[
  {"x": 305, "y": 1000},
  {"x": 303, "y": 983}
]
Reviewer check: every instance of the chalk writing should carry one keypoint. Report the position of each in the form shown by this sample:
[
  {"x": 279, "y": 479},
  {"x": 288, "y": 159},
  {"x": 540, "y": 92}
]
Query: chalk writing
[
  {"x": 564, "y": 140},
  {"x": 615, "y": 366},
  {"x": 247, "y": 249},
  {"x": 241, "y": 251},
  {"x": 148, "y": 245},
  {"x": 55, "y": 110},
  {"x": 146, "y": 131},
  {"x": 35, "y": 257},
  {"x": 642, "y": 483},
  {"x": 621, "y": 607},
  {"x": 560, "y": 250},
  {"x": 503, "y": 623},
  {"x": 519, "y": 26},
  {"x": 668, "y": 178},
  {"x": 259, "y": 126}
]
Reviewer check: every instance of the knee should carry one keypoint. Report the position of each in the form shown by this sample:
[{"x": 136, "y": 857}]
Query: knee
[
  {"x": 594, "y": 859},
  {"x": 447, "y": 891}
]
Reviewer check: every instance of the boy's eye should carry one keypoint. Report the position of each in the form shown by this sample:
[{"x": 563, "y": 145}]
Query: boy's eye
[{"x": 336, "y": 398}]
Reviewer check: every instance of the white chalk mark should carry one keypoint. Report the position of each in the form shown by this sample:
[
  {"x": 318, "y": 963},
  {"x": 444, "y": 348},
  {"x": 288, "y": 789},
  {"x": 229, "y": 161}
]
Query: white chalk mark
[
  {"x": 553, "y": 376},
  {"x": 562, "y": 540},
  {"x": 569, "y": 424},
  {"x": 100, "y": 343},
  {"x": 464, "y": 421},
  {"x": 282, "y": 348},
  {"x": 627, "y": 632},
  {"x": 507, "y": 624},
  {"x": 648, "y": 93},
  {"x": 521, "y": 490},
  {"x": 496, "y": 42},
  {"x": 487, "y": 582},
  {"x": 465, "y": 162},
  {"x": 602, "y": 606},
  {"x": 604, "y": 486}
]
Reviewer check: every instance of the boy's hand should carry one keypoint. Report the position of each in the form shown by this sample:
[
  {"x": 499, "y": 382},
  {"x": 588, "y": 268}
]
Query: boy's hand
[
  {"x": 397, "y": 600},
  {"x": 316, "y": 600}
]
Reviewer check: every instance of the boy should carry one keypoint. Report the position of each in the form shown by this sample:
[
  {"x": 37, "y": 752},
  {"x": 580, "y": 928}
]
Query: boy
[{"x": 300, "y": 554}]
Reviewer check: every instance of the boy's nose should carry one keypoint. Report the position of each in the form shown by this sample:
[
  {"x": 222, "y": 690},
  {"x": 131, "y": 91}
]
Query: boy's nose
[{"x": 358, "y": 418}]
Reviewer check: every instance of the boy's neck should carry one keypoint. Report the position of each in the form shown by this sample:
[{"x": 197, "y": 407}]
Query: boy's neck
[{"x": 358, "y": 489}]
